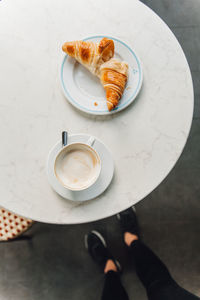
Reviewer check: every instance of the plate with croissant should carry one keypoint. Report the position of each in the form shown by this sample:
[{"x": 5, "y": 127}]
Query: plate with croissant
[{"x": 100, "y": 75}]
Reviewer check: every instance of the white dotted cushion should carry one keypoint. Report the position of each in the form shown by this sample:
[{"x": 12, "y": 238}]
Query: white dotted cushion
[{"x": 11, "y": 225}]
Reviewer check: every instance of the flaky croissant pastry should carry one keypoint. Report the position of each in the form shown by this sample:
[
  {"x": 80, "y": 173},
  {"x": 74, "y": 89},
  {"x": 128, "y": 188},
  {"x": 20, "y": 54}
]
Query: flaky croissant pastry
[
  {"x": 113, "y": 75},
  {"x": 90, "y": 55}
]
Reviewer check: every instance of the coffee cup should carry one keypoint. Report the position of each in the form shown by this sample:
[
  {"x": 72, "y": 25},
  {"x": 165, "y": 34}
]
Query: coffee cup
[{"x": 77, "y": 165}]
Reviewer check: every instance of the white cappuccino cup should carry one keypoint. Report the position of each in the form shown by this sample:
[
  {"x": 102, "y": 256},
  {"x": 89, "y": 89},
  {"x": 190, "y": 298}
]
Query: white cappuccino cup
[{"x": 77, "y": 166}]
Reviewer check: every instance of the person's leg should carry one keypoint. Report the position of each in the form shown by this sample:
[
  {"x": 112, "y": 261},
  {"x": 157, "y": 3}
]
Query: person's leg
[
  {"x": 113, "y": 288},
  {"x": 150, "y": 269},
  {"x": 170, "y": 291},
  {"x": 155, "y": 275}
]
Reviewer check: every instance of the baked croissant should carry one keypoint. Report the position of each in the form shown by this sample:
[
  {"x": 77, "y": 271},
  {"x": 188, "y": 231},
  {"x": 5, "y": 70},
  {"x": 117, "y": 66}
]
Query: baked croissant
[
  {"x": 113, "y": 75},
  {"x": 91, "y": 55}
]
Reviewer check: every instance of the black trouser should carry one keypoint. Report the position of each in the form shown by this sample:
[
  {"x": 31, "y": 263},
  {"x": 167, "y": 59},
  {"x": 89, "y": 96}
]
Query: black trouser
[{"x": 153, "y": 274}]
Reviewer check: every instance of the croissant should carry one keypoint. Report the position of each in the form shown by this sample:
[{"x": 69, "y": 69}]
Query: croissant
[
  {"x": 113, "y": 75},
  {"x": 91, "y": 55}
]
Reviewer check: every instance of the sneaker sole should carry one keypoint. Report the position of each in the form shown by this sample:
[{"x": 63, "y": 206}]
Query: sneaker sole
[
  {"x": 133, "y": 208},
  {"x": 98, "y": 235},
  {"x": 119, "y": 268}
]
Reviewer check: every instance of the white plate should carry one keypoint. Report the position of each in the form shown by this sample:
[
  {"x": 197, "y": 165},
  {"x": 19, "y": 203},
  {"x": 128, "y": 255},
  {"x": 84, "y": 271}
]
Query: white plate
[
  {"x": 102, "y": 182},
  {"x": 83, "y": 89}
]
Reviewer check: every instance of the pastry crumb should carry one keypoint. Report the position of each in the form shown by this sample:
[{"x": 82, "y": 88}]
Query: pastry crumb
[{"x": 95, "y": 103}]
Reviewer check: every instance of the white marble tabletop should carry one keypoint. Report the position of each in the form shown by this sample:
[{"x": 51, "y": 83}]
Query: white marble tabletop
[{"x": 146, "y": 139}]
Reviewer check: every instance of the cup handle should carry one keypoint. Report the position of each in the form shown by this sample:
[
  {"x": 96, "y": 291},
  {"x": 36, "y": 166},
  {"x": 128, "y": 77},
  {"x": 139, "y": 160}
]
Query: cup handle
[{"x": 90, "y": 141}]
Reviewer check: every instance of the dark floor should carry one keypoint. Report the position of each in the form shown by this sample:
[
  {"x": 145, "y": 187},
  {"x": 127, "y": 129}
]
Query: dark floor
[{"x": 54, "y": 265}]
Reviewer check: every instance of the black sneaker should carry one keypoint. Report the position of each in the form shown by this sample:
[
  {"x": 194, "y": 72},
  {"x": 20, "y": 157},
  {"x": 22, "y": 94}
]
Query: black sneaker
[
  {"x": 96, "y": 246},
  {"x": 128, "y": 221}
]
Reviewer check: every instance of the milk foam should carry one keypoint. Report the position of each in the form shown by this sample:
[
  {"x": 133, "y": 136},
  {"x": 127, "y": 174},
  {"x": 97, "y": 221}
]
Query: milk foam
[{"x": 77, "y": 168}]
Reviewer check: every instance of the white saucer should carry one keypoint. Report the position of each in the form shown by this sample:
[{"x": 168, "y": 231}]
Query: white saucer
[
  {"x": 98, "y": 187},
  {"x": 84, "y": 90}
]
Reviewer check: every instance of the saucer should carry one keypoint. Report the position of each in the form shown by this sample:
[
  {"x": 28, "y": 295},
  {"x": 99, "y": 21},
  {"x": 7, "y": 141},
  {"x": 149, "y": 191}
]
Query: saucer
[
  {"x": 105, "y": 177},
  {"x": 84, "y": 90}
]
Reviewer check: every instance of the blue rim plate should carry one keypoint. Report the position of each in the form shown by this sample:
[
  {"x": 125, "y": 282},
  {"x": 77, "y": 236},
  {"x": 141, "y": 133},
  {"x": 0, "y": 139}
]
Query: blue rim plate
[{"x": 84, "y": 91}]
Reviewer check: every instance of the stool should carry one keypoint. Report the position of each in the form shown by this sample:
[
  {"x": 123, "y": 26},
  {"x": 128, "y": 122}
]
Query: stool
[{"x": 12, "y": 225}]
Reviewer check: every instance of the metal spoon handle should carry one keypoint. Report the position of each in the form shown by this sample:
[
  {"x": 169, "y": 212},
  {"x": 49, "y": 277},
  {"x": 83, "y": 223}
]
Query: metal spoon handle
[{"x": 64, "y": 138}]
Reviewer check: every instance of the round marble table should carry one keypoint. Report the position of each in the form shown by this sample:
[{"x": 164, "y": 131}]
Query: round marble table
[{"x": 146, "y": 139}]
